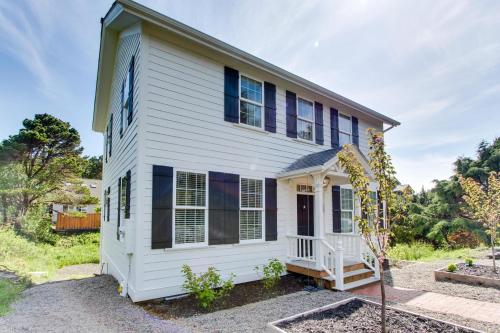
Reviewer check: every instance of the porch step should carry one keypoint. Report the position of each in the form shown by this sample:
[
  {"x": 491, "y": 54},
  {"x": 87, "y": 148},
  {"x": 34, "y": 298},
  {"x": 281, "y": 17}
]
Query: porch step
[
  {"x": 350, "y": 277},
  {"x": 359, "y": 283}
]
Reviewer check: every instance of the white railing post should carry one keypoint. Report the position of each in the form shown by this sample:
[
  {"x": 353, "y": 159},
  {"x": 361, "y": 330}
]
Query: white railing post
[{"x": 339, "y": 266}]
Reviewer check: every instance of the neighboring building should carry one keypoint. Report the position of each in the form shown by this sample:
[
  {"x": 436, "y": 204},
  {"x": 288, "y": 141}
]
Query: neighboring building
[
  {"x": 95, "y": 189},
  {"x": 214, "y": 157}
]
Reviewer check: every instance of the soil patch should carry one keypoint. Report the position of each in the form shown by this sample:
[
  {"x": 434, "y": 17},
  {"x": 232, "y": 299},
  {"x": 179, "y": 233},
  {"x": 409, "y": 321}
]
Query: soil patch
[
  {"x": 478, "y": 270},
  {"x": 241, "y": 294},
  {"x": 358, "y": 316}
]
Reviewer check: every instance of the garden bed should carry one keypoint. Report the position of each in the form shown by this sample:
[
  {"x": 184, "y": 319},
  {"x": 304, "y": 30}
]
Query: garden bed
[
  {"x": 241, "y": 294},
  {"x": 475, "y": 274},
  {"x": 356, "y": 315}
]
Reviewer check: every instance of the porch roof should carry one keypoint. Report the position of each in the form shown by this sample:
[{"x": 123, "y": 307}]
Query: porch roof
[{"x": 313, "y": 160}]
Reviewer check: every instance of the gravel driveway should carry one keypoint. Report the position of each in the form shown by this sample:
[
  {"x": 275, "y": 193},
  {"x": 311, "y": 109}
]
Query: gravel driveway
[
  {"x": 420, "y": 276},
  {"x": 87, "y": 305}
]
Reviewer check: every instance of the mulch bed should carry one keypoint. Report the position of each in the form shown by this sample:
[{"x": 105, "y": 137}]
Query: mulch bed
[
  {"x": 241, "y": 294},
  {"x": 478, "y": 270},
  {"x": 358, "y": 316}
]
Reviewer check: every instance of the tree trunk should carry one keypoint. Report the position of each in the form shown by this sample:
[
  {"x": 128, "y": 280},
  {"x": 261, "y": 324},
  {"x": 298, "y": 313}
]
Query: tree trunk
[
  {"x": 493, "y": 251},
  {"x": 382, "y": 297}
]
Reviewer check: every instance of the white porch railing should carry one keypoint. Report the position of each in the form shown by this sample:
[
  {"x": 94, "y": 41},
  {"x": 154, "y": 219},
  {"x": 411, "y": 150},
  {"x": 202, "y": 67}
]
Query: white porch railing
[
  {"x": 303, "y": 248},
  {"x": 350, "y": 243},
  {"x": 369, "y": 258}
]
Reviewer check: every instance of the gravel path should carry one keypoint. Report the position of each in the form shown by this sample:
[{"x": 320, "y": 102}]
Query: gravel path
[
  {"x": 86, "y": 305},
  {"x": 420, "y": 276}
]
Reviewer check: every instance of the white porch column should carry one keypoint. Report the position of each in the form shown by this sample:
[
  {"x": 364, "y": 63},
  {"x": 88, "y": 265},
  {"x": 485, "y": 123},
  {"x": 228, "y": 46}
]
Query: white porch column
[{"x": 319, "y": 229}]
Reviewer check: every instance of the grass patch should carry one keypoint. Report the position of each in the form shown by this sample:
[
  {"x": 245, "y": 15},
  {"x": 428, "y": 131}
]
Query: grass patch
[
  {"x": 40, "y": 261},
  {"x": 426, "y": 252},
  {"x": 9, "y": 292}
]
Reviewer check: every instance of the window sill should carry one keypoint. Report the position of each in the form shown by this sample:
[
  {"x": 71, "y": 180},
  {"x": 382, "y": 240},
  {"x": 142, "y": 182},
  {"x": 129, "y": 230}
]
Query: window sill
[
  {"x": 312, "y": 143},
  {"x": 251, "y": 128}
]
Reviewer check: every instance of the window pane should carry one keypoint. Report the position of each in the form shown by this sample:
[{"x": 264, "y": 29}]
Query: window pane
[
  {"x": 250, "y": 224},
  {"x": 250, "y": 114},
  {"x": 304, "y": 129},
  {"x": 251, "y": 89},
  {"x": 346, "y": 222},
  {"x": 251, "y": 193},
  {"x": 305, "y": 109},
  {"x": 373, "y": 199},
  {"x": 189, "y": 226},
  {"x": 346, "y": 200},
  {"x": 123, "y": 192},
  {"x": 344, "y": 124},
  {"x": 190, "y": 189},
  {"x": 344, "y": 139}
]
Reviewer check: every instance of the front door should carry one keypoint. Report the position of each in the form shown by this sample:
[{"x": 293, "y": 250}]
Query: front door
[{"x": 305, "y": 215}]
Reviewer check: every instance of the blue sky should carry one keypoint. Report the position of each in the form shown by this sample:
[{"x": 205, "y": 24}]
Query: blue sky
[{"x": 435, "y": 66}]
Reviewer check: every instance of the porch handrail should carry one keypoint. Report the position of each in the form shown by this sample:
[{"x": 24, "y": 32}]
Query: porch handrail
[
  {"x": 303, "y": 248},
  {"x": 367, "y": 252}
]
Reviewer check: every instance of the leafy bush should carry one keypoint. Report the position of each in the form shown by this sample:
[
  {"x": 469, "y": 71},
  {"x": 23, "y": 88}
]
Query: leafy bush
[
  {"x": 37, "y": 225},
  {"x": 452, "y": 268},
  {"x": 271, "y": 272},
  {"x": 207, "y": 286},
  {"x": 469, "y": 262},
  {"x": 461, "y": 239}
]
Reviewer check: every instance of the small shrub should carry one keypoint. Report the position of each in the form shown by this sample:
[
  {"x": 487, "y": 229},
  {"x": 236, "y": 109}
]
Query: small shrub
[
  {"x": 463, "y": 239},
  {"x": 271, "y": 272},
  {"x": 207, "y": 286},
  {"x": 452, "y": 268},
  {"x": 36, "y": 225},
  {"x": 469, "y": 262}
]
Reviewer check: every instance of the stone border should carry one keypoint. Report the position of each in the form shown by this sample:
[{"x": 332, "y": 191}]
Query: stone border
[
  {"x": 443, "y": 275},
  {"x": 272, "y": 327}
]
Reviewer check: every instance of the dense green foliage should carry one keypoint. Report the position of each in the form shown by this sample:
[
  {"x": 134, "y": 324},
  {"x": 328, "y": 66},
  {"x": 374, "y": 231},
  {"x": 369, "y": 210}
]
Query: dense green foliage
[
  {"x": 271, "y": 272},
  {"x": 22, "y": 256},
  {"x": 9, "y": 292},
  {"x": 452, "y": 268},
  {"x": 437, "y": 216},
  {"x": 207, "y": 287},
  {"x": 421, "y": 251},
  {"x": 92, "y": 167}
]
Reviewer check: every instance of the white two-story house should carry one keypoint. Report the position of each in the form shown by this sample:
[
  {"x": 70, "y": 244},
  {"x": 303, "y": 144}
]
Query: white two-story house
[{"x": 214, "y": 157}]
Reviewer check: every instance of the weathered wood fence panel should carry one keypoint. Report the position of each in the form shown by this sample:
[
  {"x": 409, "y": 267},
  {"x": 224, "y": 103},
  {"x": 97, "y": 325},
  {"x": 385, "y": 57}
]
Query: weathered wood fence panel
[{"x": 67, "y": 222}]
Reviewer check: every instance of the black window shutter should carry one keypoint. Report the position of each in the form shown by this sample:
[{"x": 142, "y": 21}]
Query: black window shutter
[
  {"x": 270, "y": 107},
  {"x": 355, "y": 131},
  {"x": 380, "y": 210},
  {"x": 336, "y": 208},
  {"x": 318, "y": 109},
  {"x": 231, "y": 95},
  {"x": 223, "y": 208},
  {"x": 110, "y": 138},
  {"x": 127, "y": 195},
  {"x": 334, "y": 127},
  {"x": 131, "y": 91},
  {"x": 108, "y": 204},
  {"x": 118, "y": 208},
  {"x": 161, "y": 219},
  {"x": 122, "y": 98},
  {"x": 291, "y": 114},
  {"x": 271, "y": 210},
  {"x": 106, "y": 144}
]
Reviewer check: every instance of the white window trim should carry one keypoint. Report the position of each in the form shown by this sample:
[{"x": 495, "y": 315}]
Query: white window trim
[
  {"x": 262, "y": 209},
  {"x": 350, "y": 127},
  {"x": 313, "y": 121},
  {"x": 353, "y": 230},
  {"x": 174, "y": 198},
  {"x": 262, "y": 120}
]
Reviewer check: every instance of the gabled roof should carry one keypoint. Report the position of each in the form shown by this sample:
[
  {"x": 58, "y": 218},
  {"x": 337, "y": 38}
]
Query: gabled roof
[
  {"x": 124, "y": 13},
  {"x": 313, "y": 160}
]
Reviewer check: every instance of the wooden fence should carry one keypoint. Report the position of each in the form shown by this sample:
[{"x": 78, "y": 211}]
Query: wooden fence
[{"x": 67, "y": 222}]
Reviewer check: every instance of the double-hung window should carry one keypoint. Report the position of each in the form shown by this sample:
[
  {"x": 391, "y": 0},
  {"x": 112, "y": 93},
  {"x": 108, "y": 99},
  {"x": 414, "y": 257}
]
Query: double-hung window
[
  {"x": 305, "y": 119},
  {"x": 251, "y": 209},
  {"x": 190, "y": 208},
  {"x": 251, "y": 96},
  {"x": 345, "y": 129},
  {"x": 346, "y": 210}
]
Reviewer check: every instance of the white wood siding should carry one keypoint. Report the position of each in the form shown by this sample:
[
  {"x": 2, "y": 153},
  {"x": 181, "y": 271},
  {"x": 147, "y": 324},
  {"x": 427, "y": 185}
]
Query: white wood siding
[
  {"x": 182, "y": 125},
  {"x": 123, "y": 158}
]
